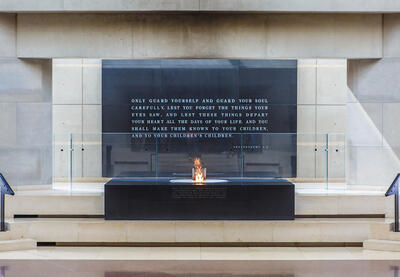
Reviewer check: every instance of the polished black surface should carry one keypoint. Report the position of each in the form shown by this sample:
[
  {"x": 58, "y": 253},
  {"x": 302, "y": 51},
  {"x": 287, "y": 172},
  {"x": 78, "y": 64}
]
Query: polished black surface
[
  {"x": 152, "y": 199},
  {"x": 246, "y": 149},
  {"x": 103, "y": 268}
]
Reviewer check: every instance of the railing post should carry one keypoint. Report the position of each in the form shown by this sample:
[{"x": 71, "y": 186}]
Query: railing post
[
  {"x": 396, "y": 210},
  {"x": 394, "y": 190},
  {"x": 4, "y": 189},
  {"x": 3, "y": 207}
]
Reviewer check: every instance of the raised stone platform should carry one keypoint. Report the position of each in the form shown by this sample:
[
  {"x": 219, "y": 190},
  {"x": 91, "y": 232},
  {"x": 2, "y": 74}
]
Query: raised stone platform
[{"x": 361, "y": 208}]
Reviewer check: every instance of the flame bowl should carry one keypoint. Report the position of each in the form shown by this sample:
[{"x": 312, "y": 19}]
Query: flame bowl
[{"x": 190, "y": 181}]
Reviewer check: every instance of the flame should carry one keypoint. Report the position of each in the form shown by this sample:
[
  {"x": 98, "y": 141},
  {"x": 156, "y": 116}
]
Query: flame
[{"x": 199, "y": 175}]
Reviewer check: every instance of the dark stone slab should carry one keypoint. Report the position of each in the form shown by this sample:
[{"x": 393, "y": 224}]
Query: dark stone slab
[{"x": 237, "y": 199}]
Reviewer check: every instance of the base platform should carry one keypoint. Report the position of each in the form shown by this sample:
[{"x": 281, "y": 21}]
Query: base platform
[{"x": 236, "y": 199}]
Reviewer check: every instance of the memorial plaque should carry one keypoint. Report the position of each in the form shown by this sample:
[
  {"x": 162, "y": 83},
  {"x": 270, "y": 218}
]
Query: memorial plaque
[{"x": 238, "y": 116}]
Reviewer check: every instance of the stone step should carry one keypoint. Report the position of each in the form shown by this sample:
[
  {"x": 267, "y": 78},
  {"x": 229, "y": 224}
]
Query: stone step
[
  {"x": 65, "y": 203},
  {"x": 382, "y": 245},
  {"x": 19, "y": 244},
  {"x": 384, "y": 232},
  {"x": 99, "y": 230}
]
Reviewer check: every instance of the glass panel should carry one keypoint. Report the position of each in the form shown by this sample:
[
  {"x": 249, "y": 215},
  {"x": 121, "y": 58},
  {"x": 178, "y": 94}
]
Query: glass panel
[
  {"x": 311, "y": 161},
  {"x": 269, "y": 155},
  {"x": 128, "y": 155},
  {"x": 336, "y": 161},
  {"x": 321, "y": 165},
  {"x": 62, "y": 163}
]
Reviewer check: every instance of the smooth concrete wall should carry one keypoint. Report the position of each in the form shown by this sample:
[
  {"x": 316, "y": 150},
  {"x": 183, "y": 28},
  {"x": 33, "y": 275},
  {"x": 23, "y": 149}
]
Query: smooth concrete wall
[
  {"x": 199, "y": 35},
  {"x": 331, "y": 6},
  {"x": 373, "y": 126},
  {"x": 373, "y": 107},
  {"x": 25, "y": 112}
]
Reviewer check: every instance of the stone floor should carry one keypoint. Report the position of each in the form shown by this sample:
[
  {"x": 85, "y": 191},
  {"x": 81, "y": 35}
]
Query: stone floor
[
  {"x": 199, "y": 268},
  {"x": 200, "y": 253}
]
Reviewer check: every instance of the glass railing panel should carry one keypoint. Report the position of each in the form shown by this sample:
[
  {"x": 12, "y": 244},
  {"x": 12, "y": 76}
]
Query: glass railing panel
[
  {"x": 269, "y": 155},
  {"x": 91, "y": 156},
  {"x": 62, "y": 163},
  {"x": 220, "y": 155},
  {"x": 311, "y": 161},
  {"x": 128, "y": 155},
  {"x": 336, "y": 161},
  {"x": 306, "y": 162},
  {"x": 321, "y": 161}
]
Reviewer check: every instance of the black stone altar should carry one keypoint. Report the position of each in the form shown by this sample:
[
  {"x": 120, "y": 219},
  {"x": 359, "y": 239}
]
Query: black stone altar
[{"x": 236, "y": 199}]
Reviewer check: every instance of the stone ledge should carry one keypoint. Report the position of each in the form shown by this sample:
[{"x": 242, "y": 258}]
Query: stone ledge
[
  {"x": 57, "y": 203},
  {"x": 381, "y": 245},
  {"x": 364, "y": 6},
  {"x": 20, "y": 244},
  {"x": 98, "y": 230}
]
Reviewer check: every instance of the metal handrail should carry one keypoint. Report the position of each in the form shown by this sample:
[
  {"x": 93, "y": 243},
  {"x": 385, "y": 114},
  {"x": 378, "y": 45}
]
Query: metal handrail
[
  {"x": 5, "y": 189},
  {"x": 394, "y": 190}
]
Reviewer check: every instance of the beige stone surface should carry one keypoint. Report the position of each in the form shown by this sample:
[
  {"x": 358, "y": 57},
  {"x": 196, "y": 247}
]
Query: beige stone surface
[
  {"x": 180, "y": 36},
  {"x": 296, "y": 6},
  {"x": 200, "y": 253},
  {"x": 391, "y": 38},
  {"x": 382, "y": 245},
  {"x": 50, "y": 231},
  {"x": 133, "y": 5},
  {"x": 98, "y": 230},
  {"x": 91, "y": 81},
  {"x": 67, "y": 81},
  {"x": 306, "y": 81},
  {"x": 380, "y": 231},
  {"x": 328, "y": 6},
  {"x": 299, "y": 232},
  {"x": 151, "y": 231},
  {"x": 74, "y": 35},
  {"x": 331, "y": 81},
  {"x": 67, "y": 119},
  {"x": 55, "y": 204},
  {"x": 306, "y": 122},
  {"x": 247, "y": 231},
  {"x": 352, "y": 233},
  {"x": 331, "y": 119},
  {"x": 323, "y": 36},
  {"x": 199, "y": 35},
  {"x": 29, "y": 5},
  {"x": 91, "y": 141},
  {"x": 8, "y": 35},
  {"x": 365, "y": 204},
  {"x": 63, "y": 202},
  {"x": 67, "y": 125},
  {"x": 199, "y": 231},
  {"x": 318, "y": 205},
  {"x": 21, "y": 244}
]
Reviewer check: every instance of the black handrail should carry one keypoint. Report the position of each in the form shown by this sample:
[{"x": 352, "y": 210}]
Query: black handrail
[
  {"x": 394, "y": 190},
  {"x": 5, "y": 189}
]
